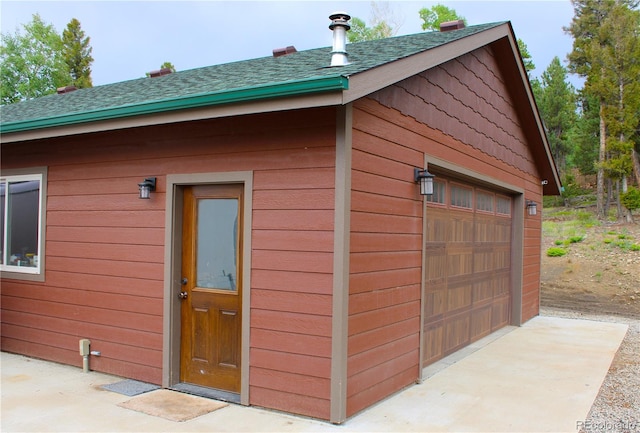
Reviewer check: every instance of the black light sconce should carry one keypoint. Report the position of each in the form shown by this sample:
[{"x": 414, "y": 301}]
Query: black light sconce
[
  {"x": 148, "y": 185},
  {"x": 426, "y": 180},
  {"x": 532, "y": 207}
]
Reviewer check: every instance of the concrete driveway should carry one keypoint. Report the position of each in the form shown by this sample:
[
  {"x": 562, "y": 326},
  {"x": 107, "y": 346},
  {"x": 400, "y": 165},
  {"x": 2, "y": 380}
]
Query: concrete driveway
[{"x": 543, "y": 376}]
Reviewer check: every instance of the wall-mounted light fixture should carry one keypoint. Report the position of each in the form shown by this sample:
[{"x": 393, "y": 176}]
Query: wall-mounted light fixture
[
  {"x": 426, "y": 180},
  {"x": 532, "y": 207},
  {"x": 146, "y": 186}
]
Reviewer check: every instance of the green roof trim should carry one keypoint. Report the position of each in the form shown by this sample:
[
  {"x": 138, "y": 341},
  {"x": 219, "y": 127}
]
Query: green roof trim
[{"x": 242, "y": 94}]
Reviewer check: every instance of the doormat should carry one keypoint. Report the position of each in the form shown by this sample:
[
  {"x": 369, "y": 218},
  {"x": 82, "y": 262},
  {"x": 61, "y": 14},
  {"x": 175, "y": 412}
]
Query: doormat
[
  {"x": 130, "y": 387},
  {"x": 172, "y": 405}
]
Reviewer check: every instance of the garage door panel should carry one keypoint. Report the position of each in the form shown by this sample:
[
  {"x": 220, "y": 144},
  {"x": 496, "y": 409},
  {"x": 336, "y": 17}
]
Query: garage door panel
[
  {"x": 461, "y": 228},
  {"x": 436, "y": 264},
  {"x": 459, "y": 262},
  {"x": 500, "y": 312},
  {"x": 459, "y": 297},
  {"x": 484, "y": 289},
  {"x": 433, "y": 336},
  {"x": 502, "y": 285},
  {"x": 485, "y": 230},
  {"x": 456, "y": 333},
  {"x": 434, "y": 306},
  {"x": 437, "y": 225},
  {"x": 481, "y": 322}
]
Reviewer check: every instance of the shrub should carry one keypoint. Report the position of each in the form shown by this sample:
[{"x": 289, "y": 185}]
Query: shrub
[
  {"x": 576, "y": 239},
  {"x": 556, "y": 252},
  {"x": 631, "y": 198}
]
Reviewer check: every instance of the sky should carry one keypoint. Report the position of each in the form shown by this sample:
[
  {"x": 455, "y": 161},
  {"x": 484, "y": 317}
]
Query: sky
[{"x": 131, "y": 38}]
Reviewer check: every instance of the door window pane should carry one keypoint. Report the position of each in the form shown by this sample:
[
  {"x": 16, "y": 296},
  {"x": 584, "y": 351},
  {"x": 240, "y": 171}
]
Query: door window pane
[{"x": 217, "y": 244}]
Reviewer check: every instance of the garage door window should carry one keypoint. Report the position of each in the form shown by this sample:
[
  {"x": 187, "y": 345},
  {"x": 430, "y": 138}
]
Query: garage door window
[
  {"x": 437, "y": 197},
  {"x": 461, "y": 197},
  {"x": 484, "y": 201},
  {"x": 503, "y": 205}
]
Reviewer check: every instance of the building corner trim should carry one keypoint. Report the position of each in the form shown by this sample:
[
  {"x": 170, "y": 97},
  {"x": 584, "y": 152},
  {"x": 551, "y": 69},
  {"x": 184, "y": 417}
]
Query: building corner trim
[{"x": 340, "y": 306}]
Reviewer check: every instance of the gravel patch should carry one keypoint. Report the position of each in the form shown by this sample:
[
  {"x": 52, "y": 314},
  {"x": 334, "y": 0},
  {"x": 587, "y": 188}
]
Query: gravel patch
[{"x": 617, "y": 406}]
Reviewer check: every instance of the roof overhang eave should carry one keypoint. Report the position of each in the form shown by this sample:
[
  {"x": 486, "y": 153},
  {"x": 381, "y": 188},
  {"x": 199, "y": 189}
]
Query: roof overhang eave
[
  {"x": 51, "y": 126},
  {"x": 552, "y": 185}
]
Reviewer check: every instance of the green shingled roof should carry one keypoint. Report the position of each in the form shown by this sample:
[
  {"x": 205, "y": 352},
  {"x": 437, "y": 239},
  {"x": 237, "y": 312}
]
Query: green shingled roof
[{"x": 299, "y": 73}]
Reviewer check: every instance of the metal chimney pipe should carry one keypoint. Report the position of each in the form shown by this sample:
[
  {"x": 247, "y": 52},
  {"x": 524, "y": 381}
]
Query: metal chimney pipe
[{"x": 339, "y": 25}]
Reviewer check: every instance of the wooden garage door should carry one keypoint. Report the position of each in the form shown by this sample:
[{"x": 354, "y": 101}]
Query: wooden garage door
[{"x": 468, "y": 267}]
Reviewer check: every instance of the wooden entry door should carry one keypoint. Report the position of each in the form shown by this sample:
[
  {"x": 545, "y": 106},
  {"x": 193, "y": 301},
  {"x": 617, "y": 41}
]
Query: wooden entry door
[{"x": 211, "y": 293}]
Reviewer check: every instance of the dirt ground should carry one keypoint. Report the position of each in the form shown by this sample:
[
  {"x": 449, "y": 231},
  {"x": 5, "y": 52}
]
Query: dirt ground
[
  {"x": 599, "y": 279},
  {"x": 599, "y": 275}
]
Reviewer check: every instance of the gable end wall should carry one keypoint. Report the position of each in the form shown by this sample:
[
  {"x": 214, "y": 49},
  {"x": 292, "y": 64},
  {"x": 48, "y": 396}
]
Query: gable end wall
[{"x": 459, "y": 112}]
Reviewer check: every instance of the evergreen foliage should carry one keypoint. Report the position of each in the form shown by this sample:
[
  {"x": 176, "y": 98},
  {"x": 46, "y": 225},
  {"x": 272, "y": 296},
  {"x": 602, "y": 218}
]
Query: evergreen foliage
[
  {"x": 77, "y": 54},
  {"x": 556, "y": 100}
]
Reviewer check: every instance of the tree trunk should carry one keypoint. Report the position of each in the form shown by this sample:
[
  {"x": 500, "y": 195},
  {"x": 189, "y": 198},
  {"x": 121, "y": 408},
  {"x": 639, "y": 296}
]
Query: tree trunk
[
  {"x": 636, "y": 165},
  {"x": 607, "y": 200},
  {"x": 628, "y": 215},
  {"x": 601, "y": 159},
  {"x": 619, "y": 210}
]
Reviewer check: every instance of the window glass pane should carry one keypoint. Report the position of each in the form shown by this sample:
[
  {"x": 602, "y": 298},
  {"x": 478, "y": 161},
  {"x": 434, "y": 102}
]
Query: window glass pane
[
  {"x": 484, "y": 201},
  {"x": 503, "y": 205},
  {"x": 23, "y": 213},
  {"x": 3, "y": 197},
  {"x": 461, "y": 197},
  {"x": 217, "y": 241},
  {"x": 438, "y": 192}
]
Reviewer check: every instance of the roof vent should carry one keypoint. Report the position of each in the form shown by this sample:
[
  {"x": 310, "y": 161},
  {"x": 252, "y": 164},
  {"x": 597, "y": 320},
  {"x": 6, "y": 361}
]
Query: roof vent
[
  {"x": 66, "y": 89},
  {"x": 451, "y": 25},
  {"x": 339, "y": 25},
  {"x": 278, "y": 52},
  {"x": 160, "y": 72}
]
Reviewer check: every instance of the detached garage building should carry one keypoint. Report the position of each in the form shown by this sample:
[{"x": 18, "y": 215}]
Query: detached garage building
[{"x": 285, "y": 257}]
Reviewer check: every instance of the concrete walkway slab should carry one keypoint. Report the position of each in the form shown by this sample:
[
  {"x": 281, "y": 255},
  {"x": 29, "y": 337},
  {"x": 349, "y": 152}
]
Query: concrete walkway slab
[{"x": 543, "y": 376}]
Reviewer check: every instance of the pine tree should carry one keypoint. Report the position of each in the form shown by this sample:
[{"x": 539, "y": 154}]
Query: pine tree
[
  {"x": 77, "y": 54},
  {"x": 600, "y": 55},
  {"x": 556, "y": 102}
]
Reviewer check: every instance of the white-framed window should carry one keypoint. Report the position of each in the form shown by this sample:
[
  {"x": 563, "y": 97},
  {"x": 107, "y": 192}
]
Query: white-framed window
[{"x": 22, "y": 216}]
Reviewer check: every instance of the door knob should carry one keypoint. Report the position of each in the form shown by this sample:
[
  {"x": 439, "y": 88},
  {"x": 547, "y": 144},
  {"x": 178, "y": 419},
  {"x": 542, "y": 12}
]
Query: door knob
[
  {"x": 184, "y": 281},
  {"x": 183, "y": 295}
]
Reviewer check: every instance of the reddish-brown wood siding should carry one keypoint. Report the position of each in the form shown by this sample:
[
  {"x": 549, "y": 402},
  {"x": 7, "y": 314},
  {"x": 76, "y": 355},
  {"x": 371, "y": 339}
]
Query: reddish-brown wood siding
[
  {"x": 385, "y": 267},
  {"x": 460, "y": 112},
  {"x": 105, "y": 249}
]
